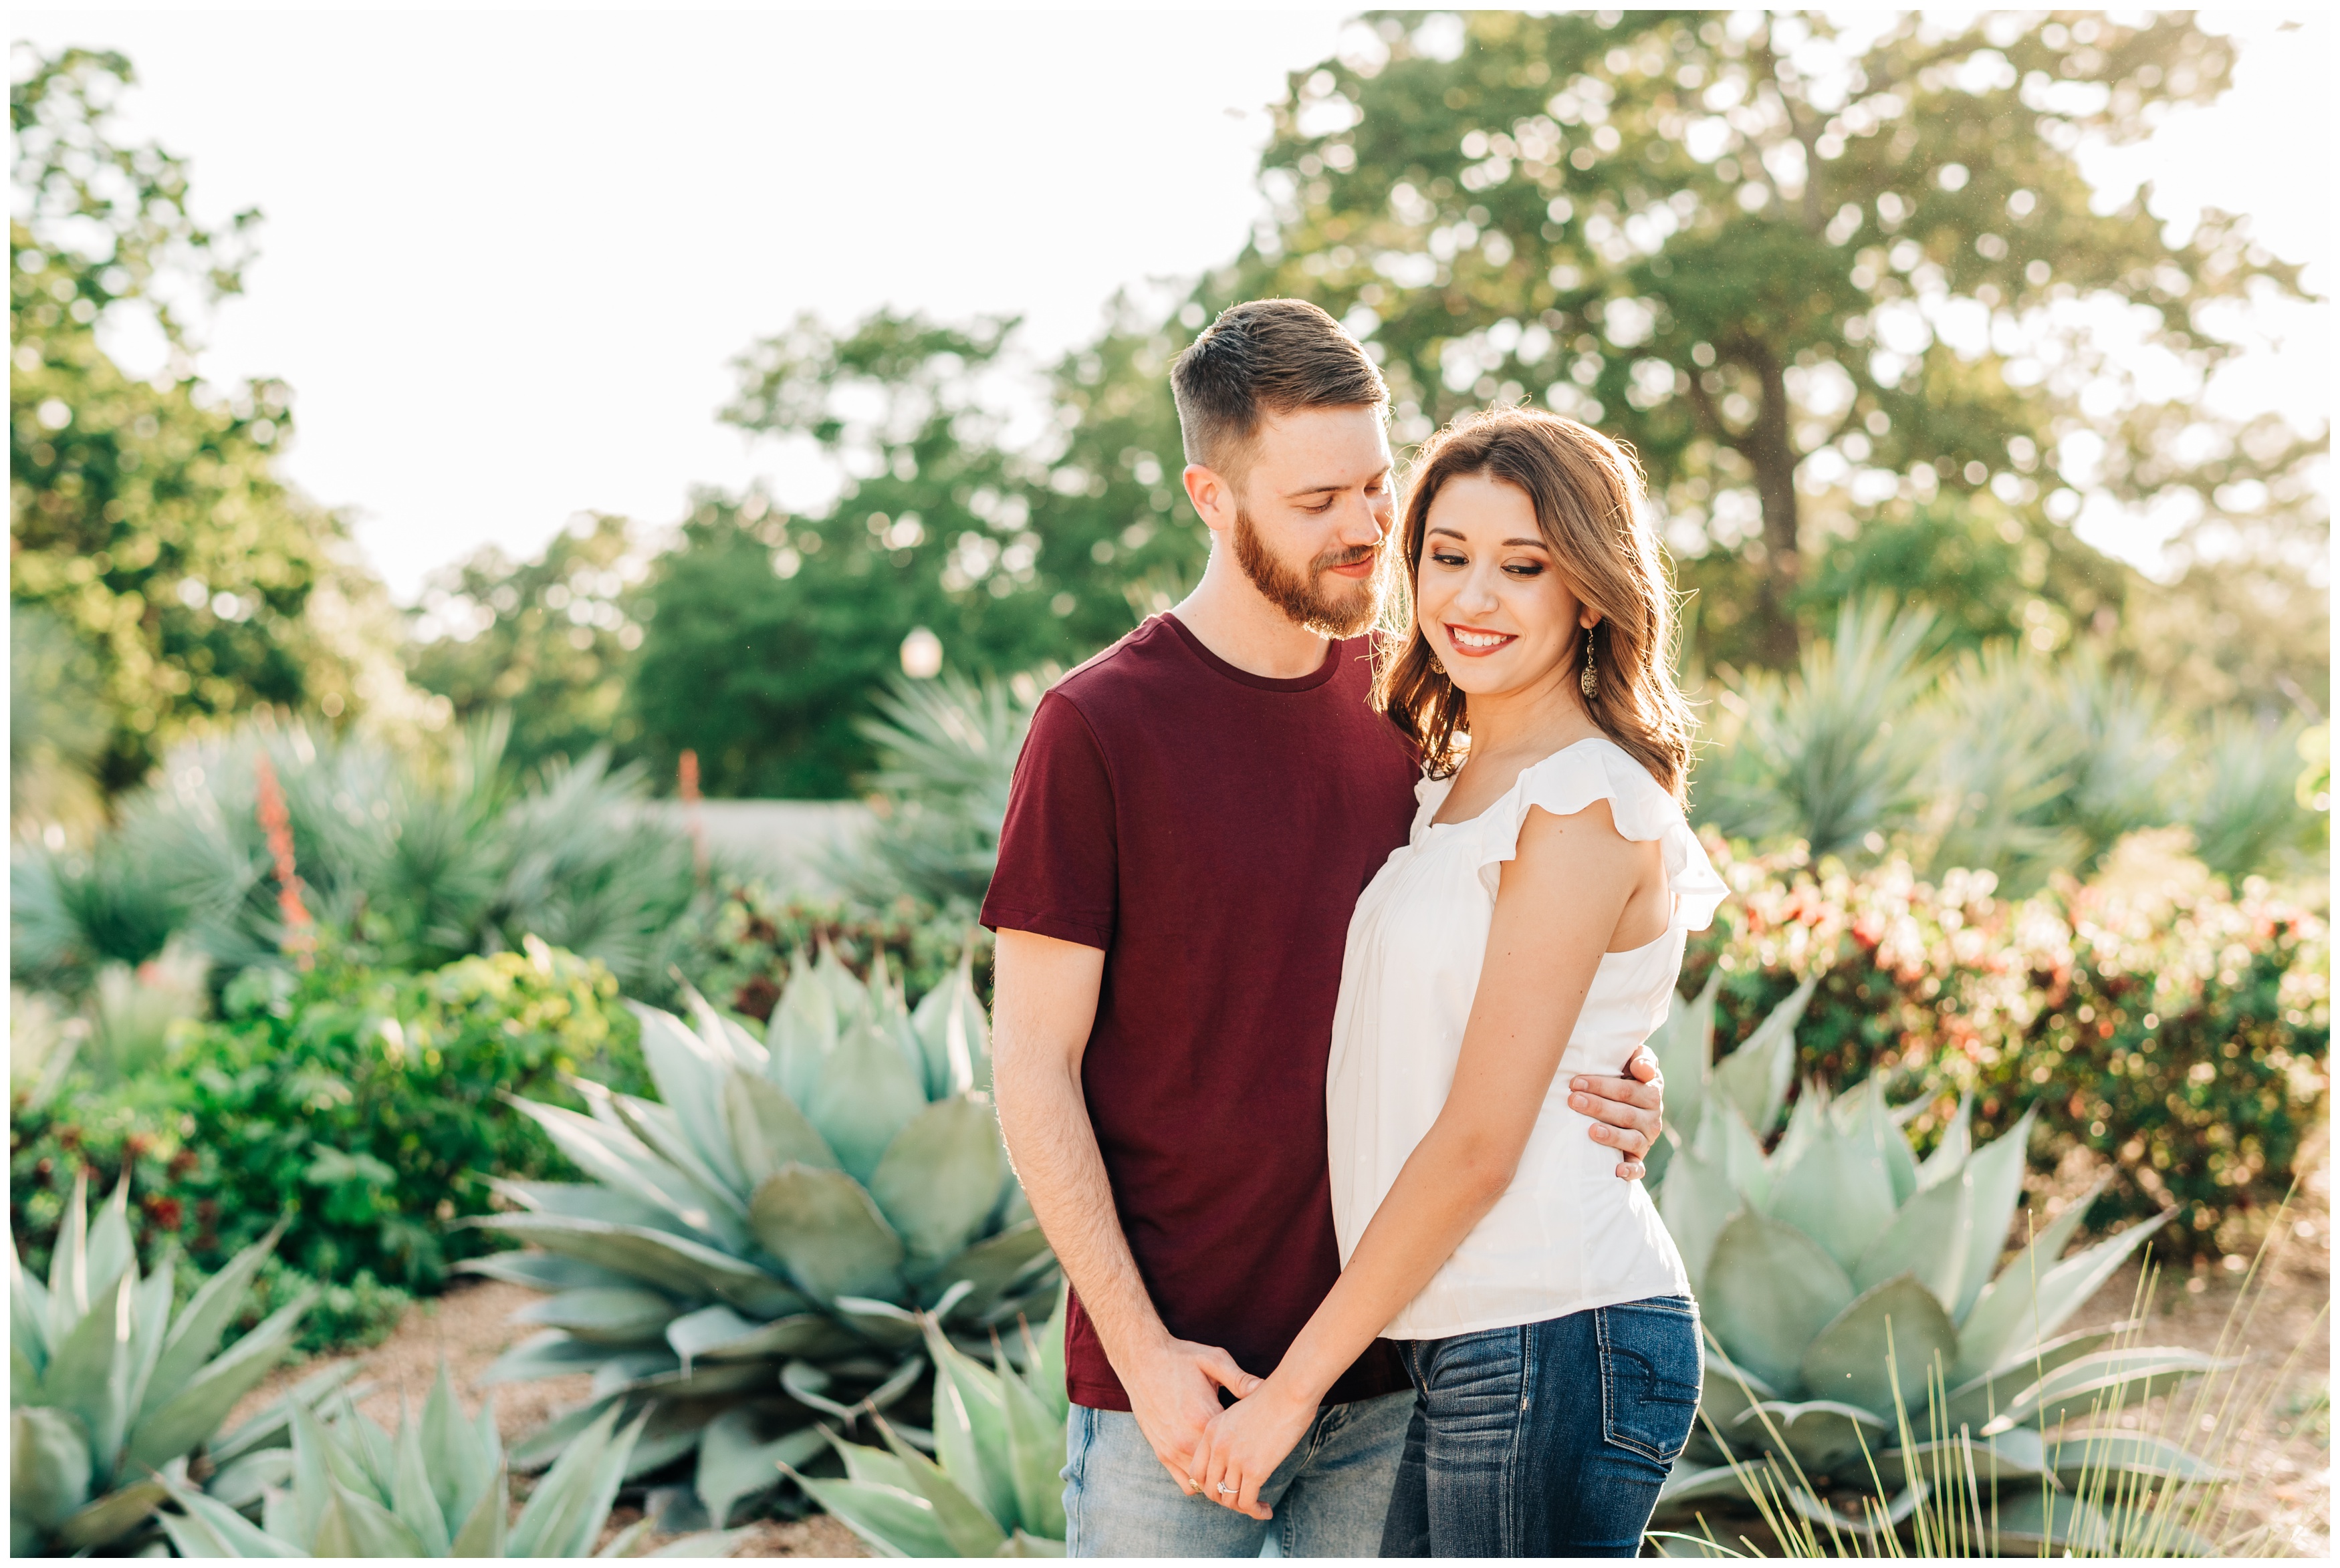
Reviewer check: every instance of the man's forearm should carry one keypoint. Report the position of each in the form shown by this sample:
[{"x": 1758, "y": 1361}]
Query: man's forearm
[{"x": 1054, "y": 1147}]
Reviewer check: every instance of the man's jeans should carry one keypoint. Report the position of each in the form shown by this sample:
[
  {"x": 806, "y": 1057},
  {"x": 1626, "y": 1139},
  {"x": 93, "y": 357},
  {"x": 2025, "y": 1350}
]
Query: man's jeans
[
  {"x": 1548, "y": 1440},
  {"x": 1330, "y": 1495}
]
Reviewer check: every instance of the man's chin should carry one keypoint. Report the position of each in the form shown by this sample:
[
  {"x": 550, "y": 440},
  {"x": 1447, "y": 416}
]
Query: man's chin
[{"x": 1342, "y": 616}]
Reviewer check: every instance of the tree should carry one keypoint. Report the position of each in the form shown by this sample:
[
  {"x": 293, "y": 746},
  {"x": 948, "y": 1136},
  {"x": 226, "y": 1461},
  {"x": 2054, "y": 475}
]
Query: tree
[
  {"x": 1812, "y": 270},
  {"x": 767, "y": 635},
  {"x": 145, "y": 515},
  {"x": 549, "y": 641}
]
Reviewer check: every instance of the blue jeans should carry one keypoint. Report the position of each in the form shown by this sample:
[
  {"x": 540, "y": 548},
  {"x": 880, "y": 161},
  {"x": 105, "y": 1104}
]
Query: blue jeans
[
  {"x": 1547, "y": 1440},
  {"x": 1330, "y": 1495}
]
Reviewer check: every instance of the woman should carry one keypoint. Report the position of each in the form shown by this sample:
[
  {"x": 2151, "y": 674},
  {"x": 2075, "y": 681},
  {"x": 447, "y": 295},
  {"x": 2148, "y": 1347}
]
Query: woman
[{"x": 1530, "y": 931}]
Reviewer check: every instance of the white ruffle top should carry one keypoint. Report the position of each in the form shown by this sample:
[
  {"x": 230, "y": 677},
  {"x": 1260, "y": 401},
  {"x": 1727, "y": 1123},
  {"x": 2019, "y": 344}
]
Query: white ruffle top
[{"x": 1568, "y": 1235}]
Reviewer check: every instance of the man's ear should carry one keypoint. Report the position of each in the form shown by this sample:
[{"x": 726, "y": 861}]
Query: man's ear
[{"x": 1215, "y": 498}]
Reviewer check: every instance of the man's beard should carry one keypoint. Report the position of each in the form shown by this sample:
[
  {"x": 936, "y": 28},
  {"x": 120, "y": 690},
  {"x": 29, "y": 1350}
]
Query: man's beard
[{"x": 1329, "y": 613}]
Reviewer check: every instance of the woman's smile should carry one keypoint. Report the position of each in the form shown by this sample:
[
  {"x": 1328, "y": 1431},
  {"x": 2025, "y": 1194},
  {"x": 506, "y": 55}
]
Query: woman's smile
[{"x": 1476, "y": 642}]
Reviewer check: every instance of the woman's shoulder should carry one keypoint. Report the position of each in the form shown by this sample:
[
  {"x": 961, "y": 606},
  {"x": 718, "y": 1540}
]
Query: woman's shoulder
[{"x": 1597, "y": 769}]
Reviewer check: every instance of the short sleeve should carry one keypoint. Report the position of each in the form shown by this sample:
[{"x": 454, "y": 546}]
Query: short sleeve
[
  {"x": 1058, "y": 872},
  {"x": 1569, "y": 780}
]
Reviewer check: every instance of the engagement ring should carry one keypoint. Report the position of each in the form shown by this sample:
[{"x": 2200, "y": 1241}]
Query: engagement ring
[{"x": 1225, "y": 1490}]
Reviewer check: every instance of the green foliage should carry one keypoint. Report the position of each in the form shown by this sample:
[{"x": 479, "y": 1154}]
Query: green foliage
[
  {"x": 1741, "y": 244},
  {"x": 2015, "y": 763},
  {"x": 764, "y": 632},
  {"x": 146, "y": 516},
  {"x": 549, "y": 641},
  {"x": 109, "y": 1381},
  {"x": 2179, "y": 1035},
  {"x": 992, "y": 1489},
  {"x": 1846, "y": 1283},
  {"x": 758, "y": 1244},
  {"x": 439, "y": 1487},
  {"x": 755, "y": 937},
  {"x": 946, "y": 751},
  {"x": 365, "y": 1108},
  {"x": 426, "y": 853}
]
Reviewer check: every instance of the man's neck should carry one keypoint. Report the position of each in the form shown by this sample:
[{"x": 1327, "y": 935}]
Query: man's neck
[{"x": 1236, "y": 621}]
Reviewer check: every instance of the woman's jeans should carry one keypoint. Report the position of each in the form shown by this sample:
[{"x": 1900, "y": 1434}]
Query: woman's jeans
[{"x": 1546, "y": 1440}]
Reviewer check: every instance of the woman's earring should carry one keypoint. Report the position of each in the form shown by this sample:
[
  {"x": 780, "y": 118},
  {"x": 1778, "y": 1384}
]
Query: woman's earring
[
  {"x": 1435, "y": 665},
  {"x": 1589, "y": 681}
]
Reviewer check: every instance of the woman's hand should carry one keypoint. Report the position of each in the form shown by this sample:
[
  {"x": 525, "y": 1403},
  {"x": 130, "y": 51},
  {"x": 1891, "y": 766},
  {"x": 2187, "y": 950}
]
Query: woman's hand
[{"x": 1245, "y": 1442}]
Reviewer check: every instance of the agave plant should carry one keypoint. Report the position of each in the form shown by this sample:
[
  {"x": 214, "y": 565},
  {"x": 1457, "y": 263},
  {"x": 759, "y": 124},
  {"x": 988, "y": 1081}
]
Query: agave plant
[
  {"x": 439, "y": 1488},
  {"x": 1845, "y": 1284},
  {"x": 758, "y": 1247},
  {"x": 108, "y": 1386},
  {"x": 993, "y": 1488}
]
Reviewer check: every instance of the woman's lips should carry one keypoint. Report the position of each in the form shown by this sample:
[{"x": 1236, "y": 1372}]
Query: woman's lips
[{"x": 1472, "y": 642}]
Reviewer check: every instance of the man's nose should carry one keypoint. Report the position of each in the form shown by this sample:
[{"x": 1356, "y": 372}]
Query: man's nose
[{"x": 1361, "y": 524}]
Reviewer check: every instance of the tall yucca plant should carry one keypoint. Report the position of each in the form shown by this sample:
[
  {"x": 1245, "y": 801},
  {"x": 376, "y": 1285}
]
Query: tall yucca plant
[
  {"x": 759, "y": 1242},
  {"x": 1845, "y": 1283},
  {"x": 1827, "y": 753},
  {"x": 946, "y": 752},
  {"x": 108, "y": 1386},
  {"x": 2242, "y": 801},
  {"x": 439, "y": 855}
]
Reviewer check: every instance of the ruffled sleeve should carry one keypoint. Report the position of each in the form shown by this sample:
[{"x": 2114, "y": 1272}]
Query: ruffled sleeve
[{"x": 1570, "y": 780}]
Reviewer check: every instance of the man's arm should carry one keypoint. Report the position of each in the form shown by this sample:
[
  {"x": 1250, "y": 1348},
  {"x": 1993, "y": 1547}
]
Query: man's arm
[{"x": 1045, "y": 997}]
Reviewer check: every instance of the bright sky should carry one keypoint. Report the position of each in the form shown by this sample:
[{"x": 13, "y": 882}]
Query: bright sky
[{"x": 506, "y": 258}]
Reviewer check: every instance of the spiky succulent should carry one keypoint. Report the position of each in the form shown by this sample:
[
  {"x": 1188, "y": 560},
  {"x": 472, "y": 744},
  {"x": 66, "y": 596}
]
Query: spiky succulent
[
  {"x": 1855, "y": 1294},
  {"x": 108, "y": 1386},
  {"x": 993, "y": 1487},
  {"x": 760, "y": 1242},
  {"x": 439, "y": 1488}
]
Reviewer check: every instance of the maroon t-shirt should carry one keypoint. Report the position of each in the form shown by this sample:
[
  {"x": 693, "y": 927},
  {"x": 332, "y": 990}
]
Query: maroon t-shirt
[{"x": 1211, "y": 831}]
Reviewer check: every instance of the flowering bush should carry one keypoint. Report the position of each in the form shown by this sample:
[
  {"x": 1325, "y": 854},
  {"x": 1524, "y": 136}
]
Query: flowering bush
[
  {"x": 2175, "y": 1030},
  {"x": 367, "y": 1106}
]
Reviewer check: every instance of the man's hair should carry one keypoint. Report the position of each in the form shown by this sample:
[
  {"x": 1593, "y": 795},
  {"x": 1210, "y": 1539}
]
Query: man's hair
[{"x": 1260, "y": 358}]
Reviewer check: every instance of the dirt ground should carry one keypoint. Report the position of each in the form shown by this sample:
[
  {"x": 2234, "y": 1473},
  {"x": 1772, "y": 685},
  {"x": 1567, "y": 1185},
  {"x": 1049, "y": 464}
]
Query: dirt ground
[
  {"x": 2278, "y": 1327},
  {"x": 469, "y": 1327}
]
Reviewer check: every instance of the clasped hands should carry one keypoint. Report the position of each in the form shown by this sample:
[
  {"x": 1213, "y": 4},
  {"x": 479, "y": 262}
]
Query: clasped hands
[{"x": 1173, "y": 1393}]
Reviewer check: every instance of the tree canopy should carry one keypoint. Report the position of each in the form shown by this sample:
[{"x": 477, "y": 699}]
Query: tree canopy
[
  {"x": 145, "y": 515},
  {"x": 1816, "y": 272}
]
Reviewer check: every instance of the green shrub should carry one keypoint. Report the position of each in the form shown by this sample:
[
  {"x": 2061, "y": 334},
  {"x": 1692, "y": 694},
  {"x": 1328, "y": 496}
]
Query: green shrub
[
  {"x": 2179, "y": 1033},
  {"x": 369, "y": 1105},
  {"x": 754, "y": 934}
]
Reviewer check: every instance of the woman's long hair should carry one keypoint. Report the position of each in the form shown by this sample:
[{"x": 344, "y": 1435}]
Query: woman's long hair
[{"x": 1590, "y": 508}]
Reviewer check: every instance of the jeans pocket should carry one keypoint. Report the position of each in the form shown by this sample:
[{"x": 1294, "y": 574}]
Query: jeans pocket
[{"x": 1650, "y": 1369}]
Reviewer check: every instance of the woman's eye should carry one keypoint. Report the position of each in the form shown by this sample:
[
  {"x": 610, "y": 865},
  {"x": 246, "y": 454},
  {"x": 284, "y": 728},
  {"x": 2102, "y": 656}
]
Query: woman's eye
[
  {"x": 1447, "y": 558},
  {"x": 1524, "y": 569}
]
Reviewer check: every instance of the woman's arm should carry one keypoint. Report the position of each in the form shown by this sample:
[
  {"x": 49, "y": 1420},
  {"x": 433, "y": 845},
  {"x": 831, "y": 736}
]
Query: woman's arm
[{"x": 1558, "y": 906}]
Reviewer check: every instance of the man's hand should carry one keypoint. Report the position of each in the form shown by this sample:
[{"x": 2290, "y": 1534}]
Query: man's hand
[
  {"x": 1627, "y": 1113},
  {"x": 1174, "y": 1392}
]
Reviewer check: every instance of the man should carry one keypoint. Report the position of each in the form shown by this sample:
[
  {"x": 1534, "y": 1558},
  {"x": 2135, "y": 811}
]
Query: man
[{"x": 1193, "y": 815}]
